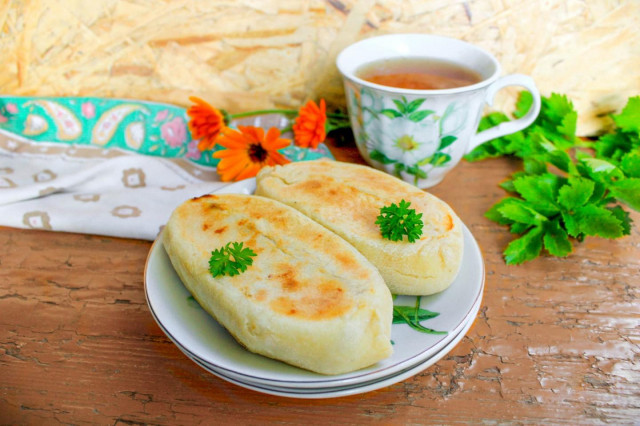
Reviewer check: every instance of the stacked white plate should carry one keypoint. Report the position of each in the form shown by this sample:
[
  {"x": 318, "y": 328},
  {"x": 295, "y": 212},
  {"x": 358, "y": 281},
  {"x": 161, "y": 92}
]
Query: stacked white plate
[{"x": 209, "y": 345}]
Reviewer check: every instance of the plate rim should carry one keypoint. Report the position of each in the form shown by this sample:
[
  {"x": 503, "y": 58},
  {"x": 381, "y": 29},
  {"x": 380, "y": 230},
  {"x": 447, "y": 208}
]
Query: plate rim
[{"x": 349, "y": 390}]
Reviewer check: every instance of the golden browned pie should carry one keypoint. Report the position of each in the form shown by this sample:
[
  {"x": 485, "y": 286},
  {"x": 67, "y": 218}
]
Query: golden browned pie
[
  {"x": 309, "y": 299},
  {"x": 347, "y": 198}
]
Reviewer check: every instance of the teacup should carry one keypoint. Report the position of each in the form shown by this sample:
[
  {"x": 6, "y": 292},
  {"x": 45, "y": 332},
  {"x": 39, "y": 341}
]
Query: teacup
[{"x": 419, "y": 135}]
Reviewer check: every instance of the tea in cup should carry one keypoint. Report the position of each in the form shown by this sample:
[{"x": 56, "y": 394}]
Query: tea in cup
[{"x": 415, "y": 102}]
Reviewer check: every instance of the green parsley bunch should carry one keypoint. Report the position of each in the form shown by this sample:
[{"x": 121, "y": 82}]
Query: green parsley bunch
[
  {"x": 231, "y": 259},
  {"x": 569, "y": 188},
  {"x": 397, "y": 221}
]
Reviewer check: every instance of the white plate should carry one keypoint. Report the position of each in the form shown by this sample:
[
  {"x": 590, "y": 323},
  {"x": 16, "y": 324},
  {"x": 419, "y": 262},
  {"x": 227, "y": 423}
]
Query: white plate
[
  {"x": 339, "y": 391},
  {"x": 356, "y": 388},
  {"x": 189, "y": 325}
]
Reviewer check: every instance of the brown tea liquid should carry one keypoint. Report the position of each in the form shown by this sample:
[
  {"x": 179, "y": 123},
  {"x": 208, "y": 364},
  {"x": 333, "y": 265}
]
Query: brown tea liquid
[{"x": 418, "y": 74}]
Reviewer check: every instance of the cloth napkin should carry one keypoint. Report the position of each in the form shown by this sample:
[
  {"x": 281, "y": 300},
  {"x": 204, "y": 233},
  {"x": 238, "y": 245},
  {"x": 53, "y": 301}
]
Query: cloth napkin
[{"x": 104, "y": 166}]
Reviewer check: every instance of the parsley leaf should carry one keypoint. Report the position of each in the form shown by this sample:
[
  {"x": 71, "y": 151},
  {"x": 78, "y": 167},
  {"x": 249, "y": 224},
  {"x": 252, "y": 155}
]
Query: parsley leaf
[
  {"x": 540, "y": 191},
  {"x": 630, "y": 164},
  {"x": 576, "y": 193},
  {"x": 627, "y": 190},
  {"x": 598, "y": 221},
  {"x": 398, "y": 220},
  {"x": 524, "y": 248},
  {"x": 629, "y": 119},
  {"x": 623, "y": 216},
  {"x": 521, "y": 213},
  {"x": 231, "y": 259},
  {"x": 613, "y": 146},
  {"x": 556, "y": 240},
  {"x": 564, "y": 191},
  {"x": 525, "y": 100}
]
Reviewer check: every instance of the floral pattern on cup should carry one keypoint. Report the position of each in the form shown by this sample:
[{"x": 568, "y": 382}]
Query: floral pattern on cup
[{"x": 412, "y": 139}]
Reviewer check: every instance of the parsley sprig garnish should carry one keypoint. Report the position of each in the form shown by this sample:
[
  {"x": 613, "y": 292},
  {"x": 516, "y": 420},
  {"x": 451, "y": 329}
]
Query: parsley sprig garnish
[
  {"x": 230, "y": 260},
  {"x": 397, "y": 220},
  {"x": 569, "y": 188}
]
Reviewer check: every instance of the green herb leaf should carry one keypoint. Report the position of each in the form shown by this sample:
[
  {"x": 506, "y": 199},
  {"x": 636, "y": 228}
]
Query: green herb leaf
[
  {"x": 495, "y": 147},
  {"x": 519, "y": 228},
  {"x": 630, "y": 164},
  {"x": 556, "y": 107},
  {"x": 540, "y": 191},
  {"x": 520, "y": 212},
  {"x": 230, "y": 260},
  {"x": 413, "y": 315},
  {"x": 597, "y": 165},
  {"x": 629, "y": 119},
  {"x": 623, "y": 216},
  {"x": 400, "y": 312},
  {"x": 612, "y": 146},
  {"x": 575, "y": 193},
  {"x": 494, "y": 213},
  {"x": 534, "y": 166},
  {"x": 599, "y": 190},
  {"x": 598, "y": 221},
  {"x": 627, "y": 190},
  {"x": 565, "y": 191},
  {"x": 556, "y": 239},
  {"x": 507, "y": 185},
  {"x": 524, "y": 248},
  {"x": 571, "y": 224},
  {"x": 568, "y": 124},
  {"x": 523, "y": 105},
  {"x": 398, "y": 221}
]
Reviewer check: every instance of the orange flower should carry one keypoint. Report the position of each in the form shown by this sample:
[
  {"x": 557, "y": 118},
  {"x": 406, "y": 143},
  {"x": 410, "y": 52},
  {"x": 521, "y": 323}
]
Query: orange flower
[
  {"x": 249, "y": 150},
  {"x": 309, "y": 127},
  {"x": 206, "y": 123}
]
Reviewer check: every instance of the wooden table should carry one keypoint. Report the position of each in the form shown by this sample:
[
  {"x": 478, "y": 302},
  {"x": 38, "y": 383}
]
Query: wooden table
[{"x": 556, "y": 340}]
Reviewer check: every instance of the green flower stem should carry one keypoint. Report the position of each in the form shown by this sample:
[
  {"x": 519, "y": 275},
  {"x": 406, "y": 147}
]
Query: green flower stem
[
  {"x": 264, "y": 111},
  {"x": 337, "y": 115},
  {"x": 335, "y": 126}
]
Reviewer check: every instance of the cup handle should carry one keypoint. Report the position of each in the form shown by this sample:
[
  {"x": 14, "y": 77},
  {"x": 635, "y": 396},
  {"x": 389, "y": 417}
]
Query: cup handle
[{"x": 513, "y": 125}]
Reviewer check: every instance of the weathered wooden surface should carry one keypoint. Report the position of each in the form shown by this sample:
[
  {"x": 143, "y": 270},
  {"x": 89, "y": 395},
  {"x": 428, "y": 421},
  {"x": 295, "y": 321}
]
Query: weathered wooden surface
[{"x": 556, "y": 340}]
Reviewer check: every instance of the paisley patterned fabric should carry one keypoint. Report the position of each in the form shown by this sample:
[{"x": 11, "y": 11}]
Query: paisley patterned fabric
[
  {"x": 104, "y": 166},
  {"x": 144, "y": 127}
]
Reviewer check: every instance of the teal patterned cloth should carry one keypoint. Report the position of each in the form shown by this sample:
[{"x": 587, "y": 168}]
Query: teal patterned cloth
[
  {"x": 105, "y": 166},
  {"x": 147, "y": 128}
]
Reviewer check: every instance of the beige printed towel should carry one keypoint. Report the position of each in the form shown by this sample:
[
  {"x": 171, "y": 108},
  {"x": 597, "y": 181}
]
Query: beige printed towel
[{"x": 93, "y": 190}]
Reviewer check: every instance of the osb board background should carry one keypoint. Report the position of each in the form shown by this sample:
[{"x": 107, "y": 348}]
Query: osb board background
[{"x": 249, "y": 54}]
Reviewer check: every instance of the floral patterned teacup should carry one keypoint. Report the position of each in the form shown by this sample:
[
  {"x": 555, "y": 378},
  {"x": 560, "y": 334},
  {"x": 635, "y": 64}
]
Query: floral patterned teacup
[{"x": 419, "y": 135}]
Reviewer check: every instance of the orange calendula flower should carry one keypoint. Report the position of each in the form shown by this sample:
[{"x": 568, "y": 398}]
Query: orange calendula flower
[
  {"x": 206, "y": 123},
  {"x": 248, "y": 150},
  {"x": 309, "y": 127}
]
